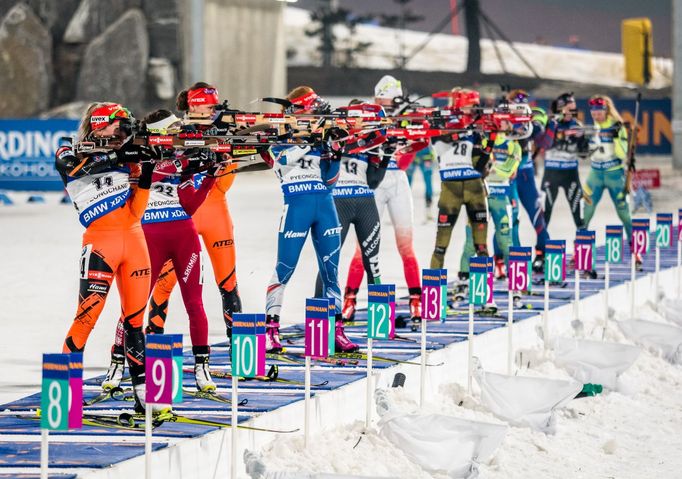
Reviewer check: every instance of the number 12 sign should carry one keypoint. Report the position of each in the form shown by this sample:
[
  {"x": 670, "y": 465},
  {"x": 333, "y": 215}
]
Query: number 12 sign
[
  {"x": 640, "y": 236},
  {"x": 519, "y": 268},
  {"x": 316, "y": 328},
  {"x": 248, "y": 359},
  {"x": 159, "y": 369},
  {"x": 584, "y": 242},
  {"x": 431, "y": 292},
  {"x": 380, "y": 314}
]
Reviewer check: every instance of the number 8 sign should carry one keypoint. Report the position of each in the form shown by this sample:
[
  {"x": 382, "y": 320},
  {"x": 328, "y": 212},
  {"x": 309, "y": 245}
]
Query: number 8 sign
[
  {"x": 159, "y": 369},
  {"x": 316, "y": 328},
  {"x": 431, "y": 291},
  {"x": 54, "y": 398}
]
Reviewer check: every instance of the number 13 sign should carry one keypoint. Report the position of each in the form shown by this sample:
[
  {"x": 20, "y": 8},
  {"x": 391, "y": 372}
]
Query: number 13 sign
[{"x": 431, "y": 295}]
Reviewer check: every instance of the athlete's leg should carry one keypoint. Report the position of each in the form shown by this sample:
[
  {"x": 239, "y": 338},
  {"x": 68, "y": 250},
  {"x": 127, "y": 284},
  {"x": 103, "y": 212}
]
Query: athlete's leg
[
  {"x": 530, "y": 199},
  {"x": 500, "y": 213},
  {"x": 514, "y": 215},
  {"x": 400, "y": 208},
  {"x": 346, "y": 209},
  {"x": 449, "y": 204},
  {"x": 158, "y": 302},
  {"x": 368, "y": 230},
  {"x": 98, "y": 262},
  {"x": 594, "y": 188},
  {"x": 427, "y": 170},
  {"x": 550, "y": 188},
  {"x": 326, "y": 235},
  {"x": 574, "y": 195},
  {"x": 615, "y": 182}
]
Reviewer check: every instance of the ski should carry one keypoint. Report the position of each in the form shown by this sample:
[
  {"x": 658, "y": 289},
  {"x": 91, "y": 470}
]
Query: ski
[
  {"x": 212, "y": 396},
  {"x": 296, "y": 359},
  {"x": 363, "y": 357},
  {"x": 117, "y": 394},
  {"x": 272, "y": 376},
  {"x": 177, "y": 418},
  {"x": 98, "y": 420}
]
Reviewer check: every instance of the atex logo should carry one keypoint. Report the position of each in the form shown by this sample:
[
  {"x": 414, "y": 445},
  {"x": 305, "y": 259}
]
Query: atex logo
[
  {"x": 140, "y": 272},
  {"x": 295, "y": 234},
  {"x": 332, "y": 231},
  {"x": 223, "y": 243}
]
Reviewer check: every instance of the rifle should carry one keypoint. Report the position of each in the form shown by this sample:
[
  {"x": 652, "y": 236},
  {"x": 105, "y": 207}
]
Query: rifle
[{"x": 632, "y": 146}]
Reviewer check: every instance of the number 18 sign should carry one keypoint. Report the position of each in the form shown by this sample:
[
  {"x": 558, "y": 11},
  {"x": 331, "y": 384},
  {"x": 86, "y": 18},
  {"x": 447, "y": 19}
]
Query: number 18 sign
[
  {"x": 431, "y": 292},
  {"x": 316, "y": 327},
  {"x": 159, "y": 369},
  {"x": 54, "y": 398},
  {"x": 519, "y": 268},
  {"x": 478, "y": 280},
  {"x": 664, "y": 227},
  {"x": 640, "y": 236},
  {"x": 247, "y": 356},
  {"x": 614, "y": 244},
  {"x": 584, "y": 241},
  {"x": 380, "y": 320}
]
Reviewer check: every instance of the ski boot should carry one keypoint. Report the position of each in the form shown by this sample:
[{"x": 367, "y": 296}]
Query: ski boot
[
  {"x": 159, "y": 411},
  {"x": 415, "y": 309},
  {"x": 116, "y": 369},
  {"x": 639, "y": 266},
  {"x": 490, "y": 309},
  {"x": 517, "y": 300},
  {"x": 539, "y": 262},
  {"x": 500, "y": 268},
  {"x": 341, "y": 341},
  {"x": 272, "y": 342},
  {"x": 590, "y": 274},
  {"x": 349, "y": 302},
  {"x": 461, "y": 287},
  {"x": 202, "y": 372}
]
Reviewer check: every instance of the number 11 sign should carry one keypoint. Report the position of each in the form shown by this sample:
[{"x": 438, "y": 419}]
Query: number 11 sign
[{"x": 316, "y": 328}]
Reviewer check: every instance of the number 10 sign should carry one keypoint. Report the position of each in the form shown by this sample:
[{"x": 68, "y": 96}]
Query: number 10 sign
[{"x": 248, "y": 359}]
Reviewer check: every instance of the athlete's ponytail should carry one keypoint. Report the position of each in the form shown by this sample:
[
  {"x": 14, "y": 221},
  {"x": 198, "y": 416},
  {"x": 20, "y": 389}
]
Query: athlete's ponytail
[{"x": 182, "y": 102}]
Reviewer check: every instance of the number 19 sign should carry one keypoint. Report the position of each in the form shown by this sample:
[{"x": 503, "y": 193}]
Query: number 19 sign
[
  {"x": 54, "y": 398},
  {"x": 584, "y": 242},
  {"x": 248, "y": 359},
  {"x": 380, "y": 315},
  {"x": 431, "y": 292},
  {"x": 555, "y": 261},
  {"x": 640, "y": 236},
  {"x": 316, "y": 328},
  {"x": 159, "y": 369},
  {"x": 664, "y": 227},
  {"x": 478, "y": 280},
  {"x": 519, "y": 268}
]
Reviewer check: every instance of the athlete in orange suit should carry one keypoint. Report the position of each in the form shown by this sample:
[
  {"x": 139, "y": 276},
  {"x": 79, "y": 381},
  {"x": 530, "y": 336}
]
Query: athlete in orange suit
[{"x": 110, "y": 196}]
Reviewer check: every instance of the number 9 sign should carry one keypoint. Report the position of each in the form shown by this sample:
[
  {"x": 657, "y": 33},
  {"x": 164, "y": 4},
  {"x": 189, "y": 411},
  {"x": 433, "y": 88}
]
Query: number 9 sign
[
  {"x": 431, "y": 291},
  {"x": 54, "y": 399},
  {"x": 159, "y": 369}
]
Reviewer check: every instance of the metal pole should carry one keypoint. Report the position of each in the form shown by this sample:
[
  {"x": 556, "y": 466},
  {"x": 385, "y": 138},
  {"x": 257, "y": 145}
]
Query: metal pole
[
  {"x": 422, "y": 368},
  {"x": 148, "y": 441},
  {"x": 471, "y": 347},
  {"x": 576, "y": 304},
  {"x": 368, "y": 417},
  {"x": 606, "y": 298},
  {"x": 235, "y": 423},
  {"x": 510, "y": 323},
  {"x": 545, "y": 318},
  {"x": 306, "y": 420},
  {"x": 633, "y": 276},
  {"x": 44, "y": 452}
]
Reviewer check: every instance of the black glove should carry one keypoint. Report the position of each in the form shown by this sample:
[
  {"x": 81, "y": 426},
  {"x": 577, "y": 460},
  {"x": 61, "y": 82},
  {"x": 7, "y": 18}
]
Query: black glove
[{"x": 145, "y": 180}]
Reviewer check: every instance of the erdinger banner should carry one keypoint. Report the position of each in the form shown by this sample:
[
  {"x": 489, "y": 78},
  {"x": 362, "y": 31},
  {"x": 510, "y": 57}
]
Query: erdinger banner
[{"x": 27, "y": 150}]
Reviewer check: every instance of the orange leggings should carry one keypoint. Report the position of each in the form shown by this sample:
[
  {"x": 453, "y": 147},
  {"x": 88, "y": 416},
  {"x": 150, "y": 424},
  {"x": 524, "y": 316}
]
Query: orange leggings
[
  {"x": 213, "y": 222},
  {"x": 109, "y": 254}
]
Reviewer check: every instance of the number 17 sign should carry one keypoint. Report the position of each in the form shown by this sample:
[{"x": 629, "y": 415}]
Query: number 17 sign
[{"x": 584, "y": 242}]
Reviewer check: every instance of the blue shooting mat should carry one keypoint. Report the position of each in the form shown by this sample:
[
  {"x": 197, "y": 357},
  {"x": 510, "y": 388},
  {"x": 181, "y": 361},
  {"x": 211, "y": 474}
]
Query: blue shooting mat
[
  {"x": 256, "y": 402},
  {"x": 25, "y": 424},
  {"x": 323, "y": 379},
  {"x": 96, "y": 455}
]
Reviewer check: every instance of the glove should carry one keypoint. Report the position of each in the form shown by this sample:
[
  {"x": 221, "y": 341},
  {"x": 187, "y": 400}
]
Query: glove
[{"x": 145, "y": 180}]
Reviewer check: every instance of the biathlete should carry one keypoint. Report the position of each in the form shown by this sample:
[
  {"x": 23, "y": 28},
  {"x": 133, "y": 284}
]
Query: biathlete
[
  {"x": 110, "y": 195},
  {"x": 307, "y": 175},
  {"x": 393, "y": 193}
]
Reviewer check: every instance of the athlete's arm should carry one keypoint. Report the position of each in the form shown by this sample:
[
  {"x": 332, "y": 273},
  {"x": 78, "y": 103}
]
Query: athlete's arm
[
  {"x": 376, "y": 170},
  {"x": 71, "y": 166}
]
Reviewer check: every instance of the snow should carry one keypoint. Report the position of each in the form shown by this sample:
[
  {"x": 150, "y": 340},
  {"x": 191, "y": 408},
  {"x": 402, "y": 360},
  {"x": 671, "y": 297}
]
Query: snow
[
  {"x": 448, "y": 53},
  {"x": 628, "y": 433}
]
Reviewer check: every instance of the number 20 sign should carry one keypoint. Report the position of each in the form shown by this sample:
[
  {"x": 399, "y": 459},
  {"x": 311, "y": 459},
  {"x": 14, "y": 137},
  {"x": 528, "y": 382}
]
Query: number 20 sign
[
  {"x": 316, "y": 328},
  {"x": 664, "y": 228},
  {"x": 431, "y": 292},
  {"x": 159, "y": 369}
]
